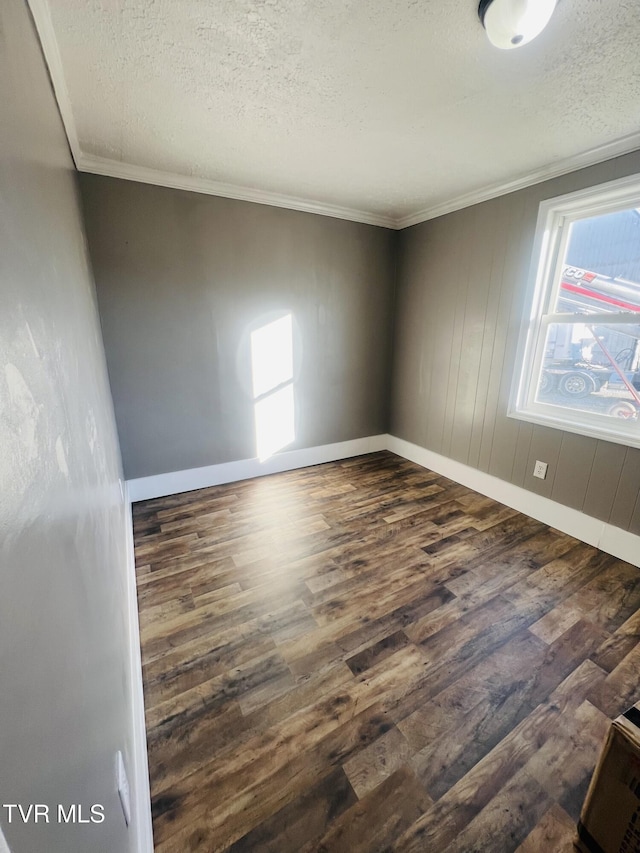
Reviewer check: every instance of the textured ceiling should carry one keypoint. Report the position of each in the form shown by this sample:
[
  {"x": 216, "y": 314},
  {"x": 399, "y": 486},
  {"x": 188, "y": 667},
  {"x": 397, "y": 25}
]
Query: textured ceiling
[{"x": 391, "y": 107}]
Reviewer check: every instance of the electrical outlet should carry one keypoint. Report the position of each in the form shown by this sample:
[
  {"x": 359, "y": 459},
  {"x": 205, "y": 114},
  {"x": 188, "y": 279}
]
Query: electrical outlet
[
  {"x": 540, "y": 470},
  {"x": 122, "y": 783}
]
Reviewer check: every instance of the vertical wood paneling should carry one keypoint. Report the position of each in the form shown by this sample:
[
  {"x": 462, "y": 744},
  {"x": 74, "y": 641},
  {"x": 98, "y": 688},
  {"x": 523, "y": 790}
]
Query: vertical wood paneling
[
  {"x": 521, "y": 457},
  {"x": 515, "y": 209},
  {"x": 575, "y": 464},
  {"x": 604, "y": 480},
  {"x": 432, "y": 350},
  {"x": 634, "y": 524},
  {"x": 481, "y": 253},
  {"x": 463, "y": 311},
  {"x": 628, "y": 491},
  {"x": 443, "y": 285},
  {"x": 452, "y": 337},
  {"x": 494, "y": 279},
  {"x": 412, "y": 335},
  {"x": 506, "y": 431},
  {"x": 512, "y": 430},
  {"x": 428, "y": 346},
  {"x": 461, "y": 277}
]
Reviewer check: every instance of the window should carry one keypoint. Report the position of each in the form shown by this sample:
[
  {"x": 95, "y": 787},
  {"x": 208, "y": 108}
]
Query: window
[{"x": 580, "y": 350}]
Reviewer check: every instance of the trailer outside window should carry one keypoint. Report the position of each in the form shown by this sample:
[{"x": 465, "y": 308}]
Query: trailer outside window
[{"x": 579, "y": 353}]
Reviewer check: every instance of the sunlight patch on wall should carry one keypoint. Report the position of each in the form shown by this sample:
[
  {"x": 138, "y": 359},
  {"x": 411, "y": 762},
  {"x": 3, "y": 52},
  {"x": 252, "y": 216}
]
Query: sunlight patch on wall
[{"x": 272, "y": 378}]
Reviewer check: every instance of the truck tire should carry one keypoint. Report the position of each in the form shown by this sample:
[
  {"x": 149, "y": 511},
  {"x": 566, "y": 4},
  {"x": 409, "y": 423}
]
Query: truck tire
[
  {"x": 547, "y": 382},
  {"x": 576, "y": 384},
  {"x": 622, "y": 409}
]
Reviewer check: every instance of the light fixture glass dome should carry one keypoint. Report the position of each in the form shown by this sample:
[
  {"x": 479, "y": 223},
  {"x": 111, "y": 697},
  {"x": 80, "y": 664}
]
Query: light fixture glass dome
[{"x": 512, "y": 23}]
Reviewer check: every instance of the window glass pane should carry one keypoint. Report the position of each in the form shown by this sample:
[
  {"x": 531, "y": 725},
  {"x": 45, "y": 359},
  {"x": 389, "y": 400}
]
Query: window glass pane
[
  {"x": 582, "y": 374},
  {"x": 601, "y": 266},
  {"x": 592, "y": 368}
]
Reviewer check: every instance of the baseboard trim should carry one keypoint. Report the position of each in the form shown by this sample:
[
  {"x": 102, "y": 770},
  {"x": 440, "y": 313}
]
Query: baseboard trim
[
  {"x": 141, "y": 823},
  {"x": 174, "y": 482},
  {"x": 613, "y": 540},
  {"x": 620, "y": 543}
]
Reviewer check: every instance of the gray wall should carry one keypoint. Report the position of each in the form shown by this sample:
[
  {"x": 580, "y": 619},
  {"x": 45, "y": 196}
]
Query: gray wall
[
  {"x": 183, "y": 278},
  {"x": 461, "y": 285},
  {"x": 64, "y": 684}
]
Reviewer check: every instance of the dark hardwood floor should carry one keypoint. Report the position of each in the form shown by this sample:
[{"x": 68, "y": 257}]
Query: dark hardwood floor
[{"x": 366, "y": 656}]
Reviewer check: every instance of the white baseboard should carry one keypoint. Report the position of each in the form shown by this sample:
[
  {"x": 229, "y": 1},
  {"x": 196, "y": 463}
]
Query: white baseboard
[
  {"x": 174, "y": 482},
  {"x": 141, "y": 824},
  {"x": 613, "y": 540},
  {"x": 620, "y": 543}
]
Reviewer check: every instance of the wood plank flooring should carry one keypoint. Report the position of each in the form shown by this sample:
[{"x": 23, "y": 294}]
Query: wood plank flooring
[{"x": 366, "y": 656}]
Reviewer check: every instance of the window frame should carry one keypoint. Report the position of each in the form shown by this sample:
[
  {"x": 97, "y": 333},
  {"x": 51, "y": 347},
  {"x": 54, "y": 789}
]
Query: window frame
[{"x": 544, "y": 281}]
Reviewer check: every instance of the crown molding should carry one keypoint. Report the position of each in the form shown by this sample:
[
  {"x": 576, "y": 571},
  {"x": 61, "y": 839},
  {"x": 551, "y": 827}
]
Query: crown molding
[
  {"x": 113, "y": 168},
  {"x": 41, "y": 14},
  {"x": 142, "y": 174},
  {"x": 592, "y": 157},
  {"x": 145, "y": 175}
]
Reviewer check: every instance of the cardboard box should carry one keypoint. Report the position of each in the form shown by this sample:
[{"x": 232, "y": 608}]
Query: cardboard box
[{"x": 610, "y": 818}]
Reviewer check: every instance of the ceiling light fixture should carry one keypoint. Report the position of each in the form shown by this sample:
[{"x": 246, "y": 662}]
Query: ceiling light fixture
[{"x": 512, "y": 23}]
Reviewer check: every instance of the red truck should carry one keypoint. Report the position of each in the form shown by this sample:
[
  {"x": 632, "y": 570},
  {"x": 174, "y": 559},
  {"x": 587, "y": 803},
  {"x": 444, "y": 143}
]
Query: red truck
[{"x": 600, "y": 361}]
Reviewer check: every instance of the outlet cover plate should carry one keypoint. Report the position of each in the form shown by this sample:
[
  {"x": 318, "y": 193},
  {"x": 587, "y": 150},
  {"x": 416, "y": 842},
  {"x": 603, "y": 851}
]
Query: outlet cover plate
[{"x": 540, "y": 470}]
